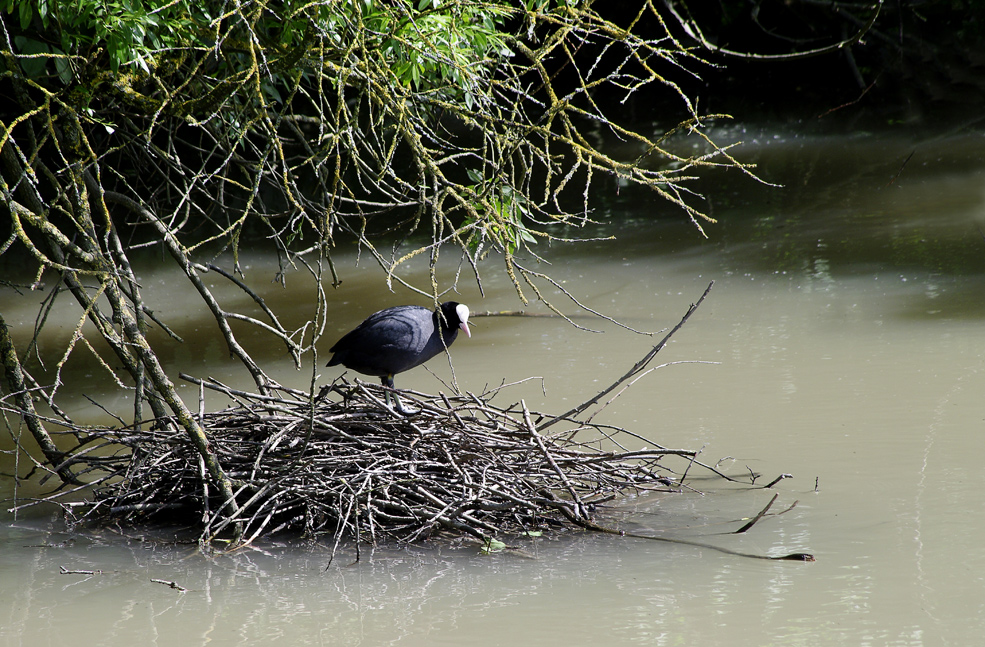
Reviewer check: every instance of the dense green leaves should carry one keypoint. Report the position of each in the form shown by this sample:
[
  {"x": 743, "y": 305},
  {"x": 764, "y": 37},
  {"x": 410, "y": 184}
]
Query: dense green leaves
[
  {"x": 428, "y": 45},
  {"x": 129, "y": 31},
  {"x": 436, "y": 47}
]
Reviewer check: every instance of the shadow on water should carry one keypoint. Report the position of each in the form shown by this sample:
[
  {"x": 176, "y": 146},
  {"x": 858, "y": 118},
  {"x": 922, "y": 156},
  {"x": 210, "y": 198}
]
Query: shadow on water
[
  {"x": 854, "y": 203},
  {"x": 835, "y": 208}
]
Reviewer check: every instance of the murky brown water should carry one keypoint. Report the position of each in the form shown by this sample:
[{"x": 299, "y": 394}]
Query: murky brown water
[{"x": 843, "y": 342}]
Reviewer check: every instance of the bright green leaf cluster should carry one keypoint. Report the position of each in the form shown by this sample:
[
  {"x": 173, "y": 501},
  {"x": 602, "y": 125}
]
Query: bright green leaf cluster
[
  {"x": 443, "y": 46},
  {"x": 435, "y": 45},
  {"x": 129, "y": 31}
]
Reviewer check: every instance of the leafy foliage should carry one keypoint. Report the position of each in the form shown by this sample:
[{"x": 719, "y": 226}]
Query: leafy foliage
[
  {"x": 129, "y": 31},
  {"x": 438, "y": 47}
]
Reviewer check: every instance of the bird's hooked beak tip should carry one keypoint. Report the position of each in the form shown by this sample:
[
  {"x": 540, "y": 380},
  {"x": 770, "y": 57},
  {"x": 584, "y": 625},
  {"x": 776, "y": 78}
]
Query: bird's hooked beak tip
[{"x": 465, "y": 327}]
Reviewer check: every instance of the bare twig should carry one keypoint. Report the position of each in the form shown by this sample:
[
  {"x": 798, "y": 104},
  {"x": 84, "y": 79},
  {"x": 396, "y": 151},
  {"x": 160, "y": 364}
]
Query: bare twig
[
  {"x": 172, "y": 585},
  {"x": 637, "y": 368},
  {"x": 759, "y": 516}
]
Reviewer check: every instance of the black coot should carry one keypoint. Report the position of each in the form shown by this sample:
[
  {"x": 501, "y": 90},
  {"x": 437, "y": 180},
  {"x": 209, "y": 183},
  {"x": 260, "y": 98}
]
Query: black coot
[{"x": 397, "y": 339}]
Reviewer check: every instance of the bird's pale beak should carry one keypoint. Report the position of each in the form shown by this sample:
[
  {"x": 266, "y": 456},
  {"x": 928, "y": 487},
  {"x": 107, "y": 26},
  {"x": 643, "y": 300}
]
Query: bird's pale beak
[{"x": 465, "y": 326}]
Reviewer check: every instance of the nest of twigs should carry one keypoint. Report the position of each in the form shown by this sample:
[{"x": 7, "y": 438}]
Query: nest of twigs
[{"x": 348, "y": 465}]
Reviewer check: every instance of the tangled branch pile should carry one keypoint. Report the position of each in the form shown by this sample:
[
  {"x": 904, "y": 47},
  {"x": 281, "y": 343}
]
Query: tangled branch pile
[{"x": 348, "y": 466}]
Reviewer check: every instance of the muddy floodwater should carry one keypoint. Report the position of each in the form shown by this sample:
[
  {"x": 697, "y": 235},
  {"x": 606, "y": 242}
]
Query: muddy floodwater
[{"x": 843, "y": 343}]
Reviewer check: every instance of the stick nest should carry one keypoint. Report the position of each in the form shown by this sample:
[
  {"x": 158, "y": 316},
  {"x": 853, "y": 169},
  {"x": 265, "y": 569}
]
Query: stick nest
[{"x": 350, "y": 466}]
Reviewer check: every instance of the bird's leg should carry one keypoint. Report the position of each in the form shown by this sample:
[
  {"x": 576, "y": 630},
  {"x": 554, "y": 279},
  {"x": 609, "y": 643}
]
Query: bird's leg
[
  {"x": 387, "y": 380},
  {"x": 398, "y": 406}
]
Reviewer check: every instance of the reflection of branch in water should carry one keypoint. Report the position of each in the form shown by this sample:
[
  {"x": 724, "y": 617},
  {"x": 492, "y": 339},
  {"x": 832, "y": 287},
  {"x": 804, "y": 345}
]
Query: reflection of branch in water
[{"x": 798, "y": 557}]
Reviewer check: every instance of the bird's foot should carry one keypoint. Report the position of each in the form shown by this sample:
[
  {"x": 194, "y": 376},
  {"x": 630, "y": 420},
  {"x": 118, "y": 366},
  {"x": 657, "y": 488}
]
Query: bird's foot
[
  {"x": 404, "y": 411},
  {"x": 399, "y": 407}
]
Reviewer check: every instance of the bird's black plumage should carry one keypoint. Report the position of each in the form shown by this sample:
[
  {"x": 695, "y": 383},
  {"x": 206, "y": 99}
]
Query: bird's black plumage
[{"x": 397, "y": 339}]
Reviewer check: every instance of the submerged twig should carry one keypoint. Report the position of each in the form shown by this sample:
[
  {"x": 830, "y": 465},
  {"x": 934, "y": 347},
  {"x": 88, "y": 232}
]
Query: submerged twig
[{"x": 752, "y": 522}]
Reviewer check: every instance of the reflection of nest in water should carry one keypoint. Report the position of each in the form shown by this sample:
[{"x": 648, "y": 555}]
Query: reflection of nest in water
[{"x": 350, "y": 467}]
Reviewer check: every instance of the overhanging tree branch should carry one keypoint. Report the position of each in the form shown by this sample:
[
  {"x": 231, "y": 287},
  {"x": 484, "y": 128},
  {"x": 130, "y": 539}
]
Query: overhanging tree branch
[{"x": 306, "y": 126}]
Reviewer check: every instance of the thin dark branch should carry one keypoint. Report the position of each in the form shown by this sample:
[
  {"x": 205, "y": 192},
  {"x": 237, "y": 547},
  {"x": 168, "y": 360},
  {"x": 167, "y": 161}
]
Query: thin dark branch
[{"x": 637, "y": 368}]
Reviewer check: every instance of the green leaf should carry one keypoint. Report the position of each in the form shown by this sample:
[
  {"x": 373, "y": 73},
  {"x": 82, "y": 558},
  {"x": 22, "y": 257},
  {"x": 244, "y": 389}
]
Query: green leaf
[
  {"x": 33, "y": 67},
  {"x": 26, "y": 13},
  {"x": 63, "y": 69},
  {"x": 493, "y": 546}
]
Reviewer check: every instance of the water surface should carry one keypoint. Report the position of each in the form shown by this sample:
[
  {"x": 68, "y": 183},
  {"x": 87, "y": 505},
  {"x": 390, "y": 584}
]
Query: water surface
[{"x": 843, "y": 343}]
